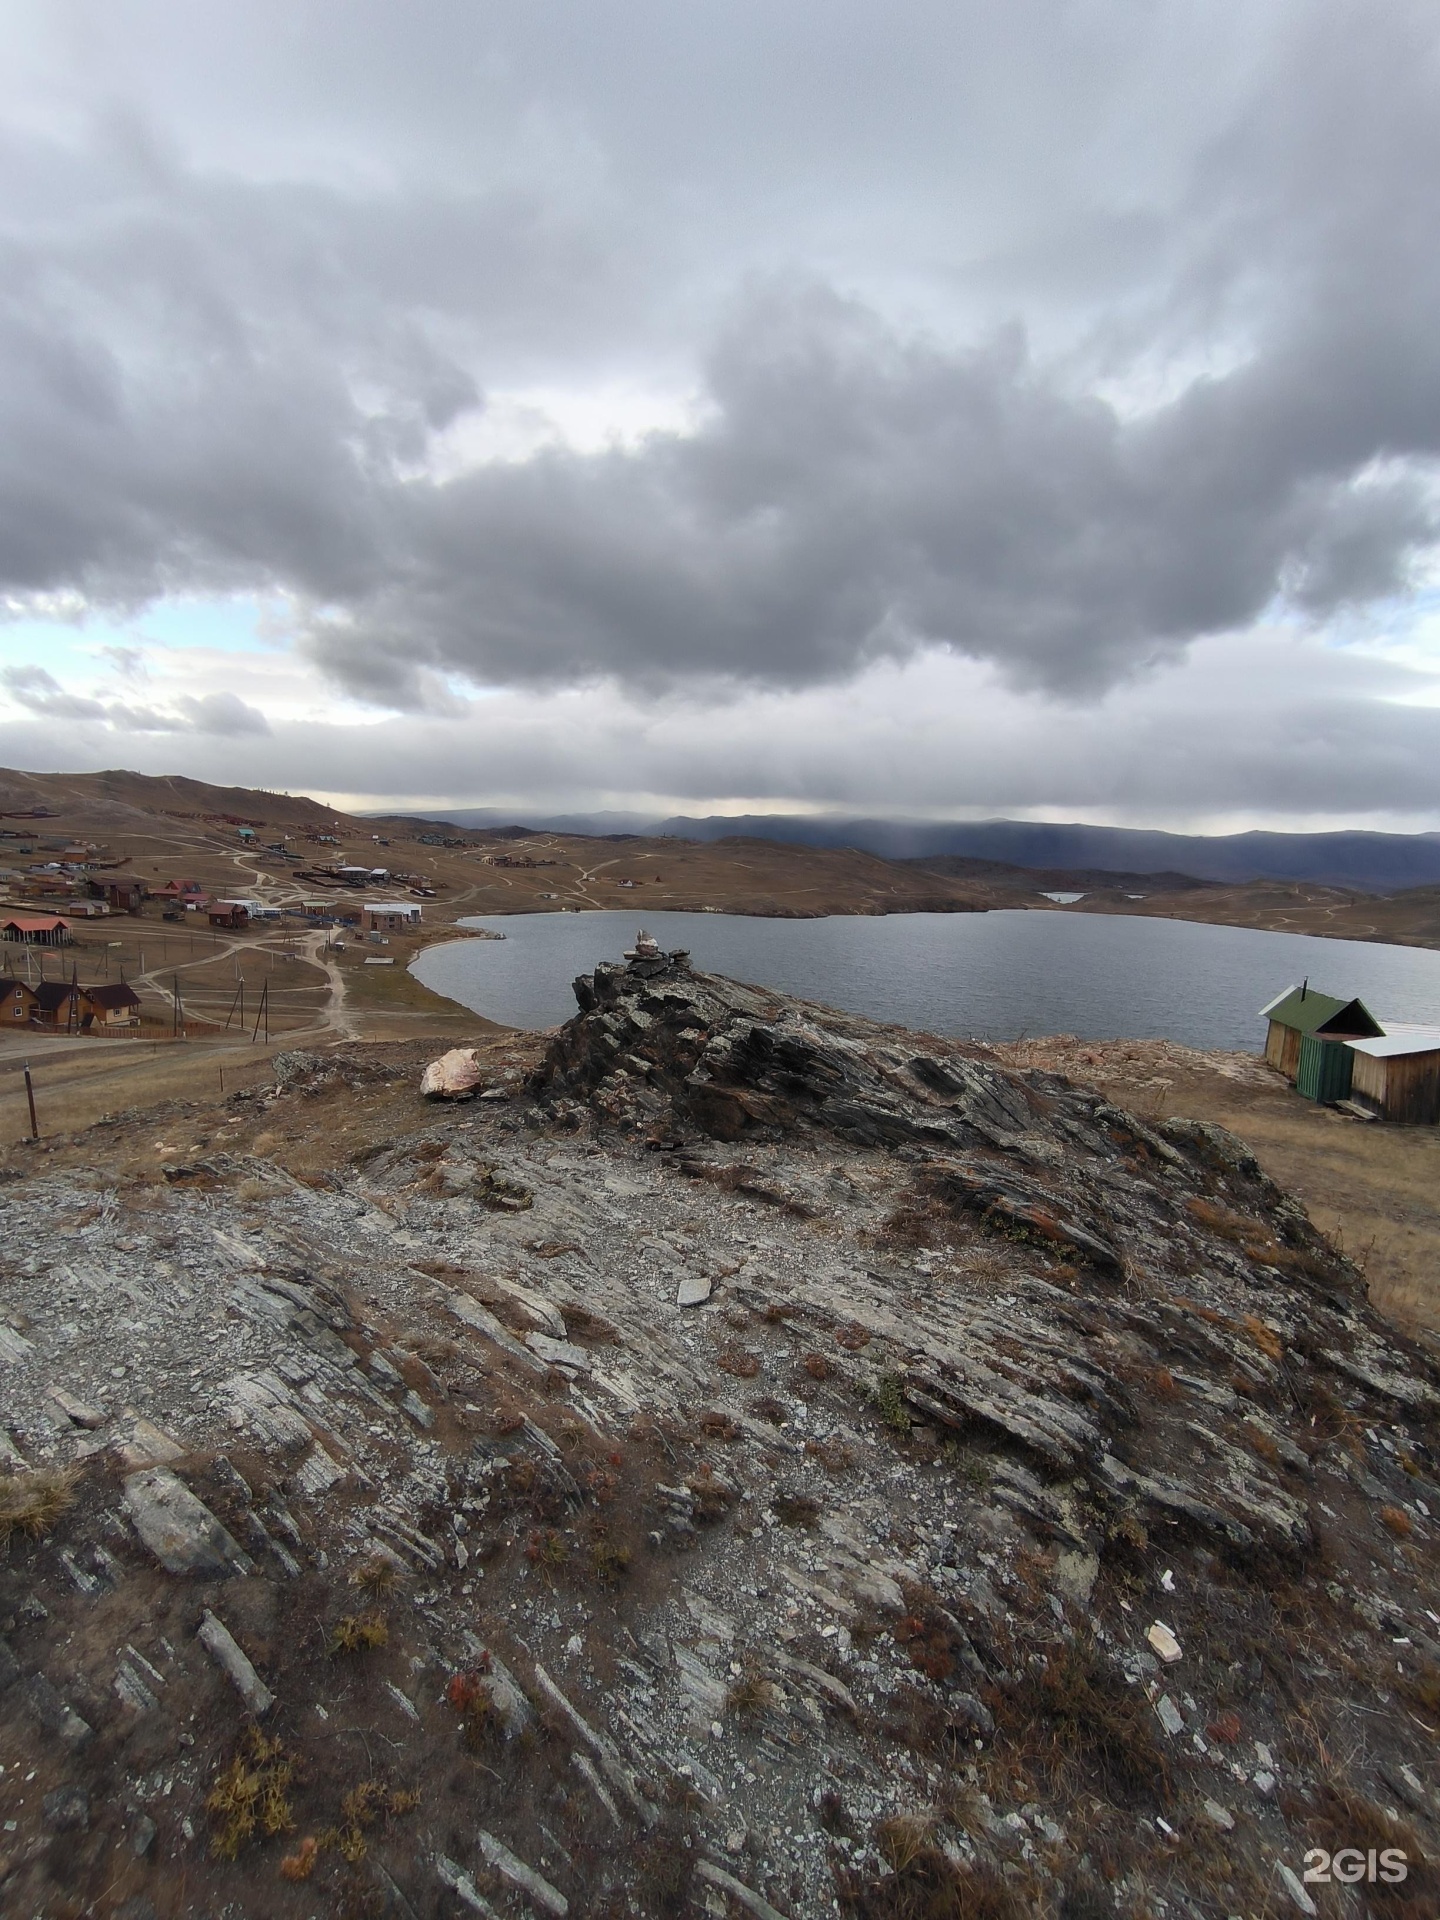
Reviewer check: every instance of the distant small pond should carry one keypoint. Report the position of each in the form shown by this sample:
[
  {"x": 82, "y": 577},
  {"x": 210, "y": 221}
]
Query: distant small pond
[{"x": 992, "y": 975}]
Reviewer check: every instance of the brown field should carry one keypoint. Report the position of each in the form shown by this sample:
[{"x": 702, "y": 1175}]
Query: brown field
[{"x": 1407, "y": 919}]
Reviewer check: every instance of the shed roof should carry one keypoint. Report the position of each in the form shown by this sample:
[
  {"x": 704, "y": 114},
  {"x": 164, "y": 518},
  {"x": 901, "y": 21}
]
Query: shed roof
[
  {"x": 391, "y": 906},
  {"x": 36, "y": 922},
  {"x": 1397, "y": 1041},
  {"x": 1309, "y": 1011}
]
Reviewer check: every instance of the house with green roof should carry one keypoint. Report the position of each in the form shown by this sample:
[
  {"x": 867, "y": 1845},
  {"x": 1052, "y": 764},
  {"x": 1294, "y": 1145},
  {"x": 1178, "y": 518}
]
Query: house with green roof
[{"x": 1306, "y": 1035}]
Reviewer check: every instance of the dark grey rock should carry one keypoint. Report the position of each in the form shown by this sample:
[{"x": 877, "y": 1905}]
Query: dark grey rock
[
  {"x": 66, "y": 1810},
  {"x": 53, "y": 1713}
]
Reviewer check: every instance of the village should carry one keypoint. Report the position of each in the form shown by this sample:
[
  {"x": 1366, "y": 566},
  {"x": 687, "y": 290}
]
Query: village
[{"x": 89, "y": 947}]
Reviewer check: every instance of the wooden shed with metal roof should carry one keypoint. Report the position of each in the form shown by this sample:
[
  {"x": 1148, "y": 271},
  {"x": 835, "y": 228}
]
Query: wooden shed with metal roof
[
  {"x": 1397, "y": 1076},
  {"x": 1302, "y": 1013}
]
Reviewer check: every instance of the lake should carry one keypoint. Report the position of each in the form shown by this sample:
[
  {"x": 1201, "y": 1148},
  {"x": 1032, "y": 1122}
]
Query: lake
[{"x": 992, "y": 975}]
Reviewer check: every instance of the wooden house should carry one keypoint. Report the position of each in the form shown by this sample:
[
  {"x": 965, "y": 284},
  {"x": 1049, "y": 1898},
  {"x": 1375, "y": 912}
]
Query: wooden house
[
  {"x": 114, "y": 1006},
  {"x": 17, "y": 1004},
  {"x": 1302, "y": 1013},
  {"x": 391, "y": 916},
  {"x": 1397, "y": 1076},
  {"x": 125, "y": 896},
  {"x": 59, "y": 1006},
  {"x": 232, "y": 914}
]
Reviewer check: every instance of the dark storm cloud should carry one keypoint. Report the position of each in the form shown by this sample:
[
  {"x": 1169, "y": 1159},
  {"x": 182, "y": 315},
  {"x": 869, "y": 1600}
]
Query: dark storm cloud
[{"x": 212, "y": 381}]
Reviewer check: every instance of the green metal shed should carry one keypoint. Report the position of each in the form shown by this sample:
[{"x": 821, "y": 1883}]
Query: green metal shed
[
  {"x": 1324, "y": 1070},
  {"x": 1302, "y": 1010}
]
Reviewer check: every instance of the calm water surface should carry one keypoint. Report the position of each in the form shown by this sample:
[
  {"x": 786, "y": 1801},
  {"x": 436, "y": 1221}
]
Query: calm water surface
[{"x": 993, "y": 975}]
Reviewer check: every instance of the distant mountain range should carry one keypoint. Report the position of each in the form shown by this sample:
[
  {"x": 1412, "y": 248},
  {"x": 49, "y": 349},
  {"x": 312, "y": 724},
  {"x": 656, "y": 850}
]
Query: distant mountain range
[{"x": 1371, "y": 862}]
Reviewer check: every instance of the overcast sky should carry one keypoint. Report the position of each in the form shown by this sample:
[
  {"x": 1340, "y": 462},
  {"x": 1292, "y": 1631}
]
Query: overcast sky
[{"x": 940, "y": 408}]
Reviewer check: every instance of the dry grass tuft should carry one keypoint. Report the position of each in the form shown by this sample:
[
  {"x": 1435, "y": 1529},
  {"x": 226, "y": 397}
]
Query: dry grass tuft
[
  {"x": 796, "y": 1509},
  {"x": 32, "y": 1503},
  {"x": 751, "y": 1695},
  {"x": 253, "y": 1791},
  {"x": 1422, "y": 1689},
  {"x": 1258, "y": 1243},
  {"x": 359, "y": 1632},
  {"x": 903, "y": 1838},
  {"x": 1265, "y": 1338},
  {"x": 607, "y": 1561},
  {"x": 927, "y": 1884},
  {"x": 481, "y": 1724},
  {"x": 363, "y": 1806},
  {"x": 1263, "y": 1444},
  {"x": 301, "y": 1864},
  {"x": 1344, "y": 1817},
  {"x": 547, "y": 1548},
  {"x": 834, "y": 1455},
  {"x": 1398, "y": 1521},
  {"x": 1076, "y": 1719},
  {"x": 738, "y": 1361},
  {"x": 374, "y": 1575}
]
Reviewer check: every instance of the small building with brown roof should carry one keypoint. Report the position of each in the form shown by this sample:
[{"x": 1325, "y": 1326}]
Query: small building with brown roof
[
  {"x": 112, "y": 1006},
  {"x": 125, "y": 896}
]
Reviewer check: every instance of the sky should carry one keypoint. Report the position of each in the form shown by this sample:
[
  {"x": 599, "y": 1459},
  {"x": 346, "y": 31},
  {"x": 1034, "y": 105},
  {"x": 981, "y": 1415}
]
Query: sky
[{"x": 948, "y": 409}]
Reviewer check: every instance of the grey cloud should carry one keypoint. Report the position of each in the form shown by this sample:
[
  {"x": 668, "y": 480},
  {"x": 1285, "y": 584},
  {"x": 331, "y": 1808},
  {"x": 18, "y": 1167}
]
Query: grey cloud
[
  {"x": 854, "y": 495},
  {"x": 221, "y": 713},
  {"x": 1320, "y": 734},
  {"x": 212, "y": 380},
  {"x": 128, "y": 662},
  {"x": 40, "y": 693}
]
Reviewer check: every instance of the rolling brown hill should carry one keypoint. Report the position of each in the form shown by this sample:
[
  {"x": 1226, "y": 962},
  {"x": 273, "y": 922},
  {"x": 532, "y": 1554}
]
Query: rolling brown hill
[{"x": 171, "y": 824}]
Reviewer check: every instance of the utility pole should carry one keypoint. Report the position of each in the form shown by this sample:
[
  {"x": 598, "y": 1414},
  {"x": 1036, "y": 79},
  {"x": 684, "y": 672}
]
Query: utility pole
[{"x": 30, "y": 1096}]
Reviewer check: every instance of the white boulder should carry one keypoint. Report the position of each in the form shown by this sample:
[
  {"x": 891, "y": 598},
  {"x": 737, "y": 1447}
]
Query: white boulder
[{"x": 454, "y": 1076}]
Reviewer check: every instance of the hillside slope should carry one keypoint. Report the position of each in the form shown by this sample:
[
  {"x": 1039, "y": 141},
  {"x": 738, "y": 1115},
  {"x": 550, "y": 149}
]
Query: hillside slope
[{"x": 751, "y": 1459}]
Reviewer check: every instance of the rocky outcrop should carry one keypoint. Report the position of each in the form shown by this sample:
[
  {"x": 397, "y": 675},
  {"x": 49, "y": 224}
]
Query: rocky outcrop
[
  {"x": 1156, "y": 1253},
  {"x": 777, "y": 1461}
]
